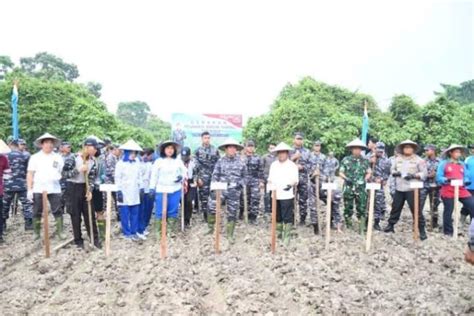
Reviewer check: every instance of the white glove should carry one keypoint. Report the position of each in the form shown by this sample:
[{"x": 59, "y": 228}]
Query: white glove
[{"x": 29, "y": 195}]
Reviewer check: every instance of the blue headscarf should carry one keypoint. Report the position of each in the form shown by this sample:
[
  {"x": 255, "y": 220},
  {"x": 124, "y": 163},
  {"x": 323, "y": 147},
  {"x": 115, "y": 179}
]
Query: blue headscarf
[{"x": 126, "y": 156}]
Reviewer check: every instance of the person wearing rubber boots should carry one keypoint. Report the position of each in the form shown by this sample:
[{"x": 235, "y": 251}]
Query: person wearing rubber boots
[
  {"x": 229, "y": 169},
  {"x": 380, "y": 166},
  {"x": 43, "y": 174},
  {"x": 406, "y": 167},
  {"x": 453, "y": 168},
  {"x": 430, "y": 189},
  {"x": 128, "y": 179},
  {"x": 168, "y": 175},
  {"x": 283, "y": 176},
  {"x": 254, "y": 181},
  {"x": 301, "y": 156},
  {"x": 79, "y": 169},
  {"x": 355, "y": 172},
  {"x": 15, "y": 185},
  {"x": 206, "y": 157}
]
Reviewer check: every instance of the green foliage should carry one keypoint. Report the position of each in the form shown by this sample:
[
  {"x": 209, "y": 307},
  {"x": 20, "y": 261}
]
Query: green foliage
[
  {"x": 94, "y": 88},
  {"x": 463, "y": 94},
  {"x": 133, "y": 113},
  {"x": 47, "y": 66},
  {"x": 160, "y": 129},
  {"x": 334, "y": 116},
  {"x": 67, "y": 110}
]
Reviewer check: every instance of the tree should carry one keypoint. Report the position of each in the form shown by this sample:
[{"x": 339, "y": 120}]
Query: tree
[
  {"x": 6, "y": 65},
  {"x": 160, "y": 129},
  {"x": 403, "y": 108},
  {"x": 134, "y": 113},
  {"x": 464, "y": 93},
  {"x": 95, "y": 88},
  {"x": 50, "y": 67}
]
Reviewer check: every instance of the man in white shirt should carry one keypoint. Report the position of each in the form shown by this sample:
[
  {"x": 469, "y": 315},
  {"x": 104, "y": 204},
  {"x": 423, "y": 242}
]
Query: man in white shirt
[
  {"x": 282, "y": 178},
  {"x": 44, "y": 174}
]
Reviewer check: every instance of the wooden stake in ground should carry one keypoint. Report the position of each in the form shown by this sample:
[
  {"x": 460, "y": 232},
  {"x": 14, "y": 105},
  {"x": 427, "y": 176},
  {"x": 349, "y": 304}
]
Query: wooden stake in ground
[
  {"x": 329, "y": 187},
  {"x": 108, "y": 188},
  {"x": 182, "y": 208},
  {"x": 218, "y": 187},
  {"x": 371, "y": 187},
  {"x": 297, "y": 207},
  {"x": 246, "y": 206},
  {"x": 46, "y": 224},
  {"x": 274, "y": 220},
  {"x": 416, "y": 186},
  {"x": 89, "y": 206},
  {"x": 318, "y": 204},
  {"x": 163, "y": 225},
  {"x": 456, "y": 184}
]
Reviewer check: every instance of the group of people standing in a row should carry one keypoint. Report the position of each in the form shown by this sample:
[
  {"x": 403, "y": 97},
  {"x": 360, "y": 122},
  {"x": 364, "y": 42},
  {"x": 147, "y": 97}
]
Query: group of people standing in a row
[{"x": 295, "y": 174}]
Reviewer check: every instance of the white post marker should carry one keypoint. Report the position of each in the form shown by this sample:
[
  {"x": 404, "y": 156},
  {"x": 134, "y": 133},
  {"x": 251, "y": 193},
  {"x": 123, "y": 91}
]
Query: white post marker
[
  {"x": 371, "y": 187},
  {"x": 456, "y": 184},
  {"x": 329, "y": 187},
  {"x": 218, "y": 187},
  {"x": 108, "y": 189},
  {"x": 416, "y": 186}
]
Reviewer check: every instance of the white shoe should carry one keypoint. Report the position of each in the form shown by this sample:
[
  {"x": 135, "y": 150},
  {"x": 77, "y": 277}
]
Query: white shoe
[
  {"x": 146, "y": 232},
  {"x": 141, "y": 236}
]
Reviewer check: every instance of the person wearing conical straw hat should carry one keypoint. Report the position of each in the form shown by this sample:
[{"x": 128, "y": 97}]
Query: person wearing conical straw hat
[
  {"x": 4, "y": 168},
  {"x": 406, "y": 167},
  {"x": 128, "y": 178},
  {"x": 355, "y": 171},
  {"x": 453, "y": 168},
  {"x": 168, "y": 175},
  {"x": 283, "y": 176},
  {"x": 79, "y": 169},
  {"x": 44, "y": 173},
  {"x": 231, "y": 170}
]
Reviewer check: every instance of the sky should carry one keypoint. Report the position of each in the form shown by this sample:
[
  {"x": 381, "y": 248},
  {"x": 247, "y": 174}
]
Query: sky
[{"x": 235, "y": 56}]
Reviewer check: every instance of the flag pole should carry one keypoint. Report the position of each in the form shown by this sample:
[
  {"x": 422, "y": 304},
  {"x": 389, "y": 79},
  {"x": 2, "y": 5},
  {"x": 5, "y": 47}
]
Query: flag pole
[{"x": 15, "y": 110}]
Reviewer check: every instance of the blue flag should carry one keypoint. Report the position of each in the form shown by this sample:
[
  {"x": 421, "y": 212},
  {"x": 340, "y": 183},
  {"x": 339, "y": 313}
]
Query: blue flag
[
  {"x": 15, "y": 112},
  {"x": 365, "y": 125}
]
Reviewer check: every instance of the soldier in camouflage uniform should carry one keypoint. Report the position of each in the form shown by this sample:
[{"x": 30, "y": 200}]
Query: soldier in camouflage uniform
[
  {"x": 332, "y": 164},
  {"x": 301, "y": 156},
  {"x": 431, "y": 188},
  {"x": 15, "y": 184},
  {"x": 254, "y": 181},
  {"x": 355, "y": 172},
  {"x": 319, "y": 168},
  {"x": 110, "y": 163},
  {"x": 206, "y": 157},
  {"x": 267, "y": 161},
  {"x": 380, "y": 166},
  {"x": 229, "y": 169},
  {"x": 65, "y": 151}
]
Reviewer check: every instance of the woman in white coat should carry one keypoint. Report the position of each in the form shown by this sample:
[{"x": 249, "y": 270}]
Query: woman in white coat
[
  {"x": 168, "y": 175},
  {"x": 128, "y": 181}
]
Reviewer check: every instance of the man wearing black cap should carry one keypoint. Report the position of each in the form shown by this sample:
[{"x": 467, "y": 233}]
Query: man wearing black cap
[
  {"x": 80, "y": 170},
  {"x": 300, "y": 156},
  {"x": 15, "y": 184},
  {"x": 253, "y": 181},
  {"x": 431, "y": 188}
]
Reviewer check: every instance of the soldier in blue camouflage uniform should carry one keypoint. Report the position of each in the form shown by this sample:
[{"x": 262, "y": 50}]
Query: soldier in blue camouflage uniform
[
  {"x": 332, "y": 164},
  {"x": 111, "y": 159},
  {"x": 319, "y": 168},
  {"x": 355, "y": 172},
  {"x": 65, "y": 151},
  {"x": 300, "y": 156},
  {"x": 254, "y": 181},
  {"x": 206, "y": 157},
  {"x": 15, "y": 185},
  {"x": 431, "y": 188},
  {"x": 229, "y": 169},
  {"x": 23, "y": 148},
  {"x": 380, "y": 166},
  {"x": 267, "y": 161}
]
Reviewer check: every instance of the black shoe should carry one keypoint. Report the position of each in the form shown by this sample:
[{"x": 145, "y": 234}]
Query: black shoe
[
  {"x": 302, "y": 220},
  {"x": 316, "y": 229},
  {"x": 389, "y": 228},
  {"x": 2, "y": 241},
  {"x": 97, "y": 244},
  {"x": 28, "y": 224},
  {"x": 423, "y": 234},
  {"x": 377, "y": 225},
  {"x": 5, "y": 225},
  {"x": 80, "y": 245}
]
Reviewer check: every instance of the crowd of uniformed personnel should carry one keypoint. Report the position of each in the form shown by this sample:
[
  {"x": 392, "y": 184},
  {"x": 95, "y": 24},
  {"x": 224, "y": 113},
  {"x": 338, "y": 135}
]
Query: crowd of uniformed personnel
[{"x": 294, "y": 174}]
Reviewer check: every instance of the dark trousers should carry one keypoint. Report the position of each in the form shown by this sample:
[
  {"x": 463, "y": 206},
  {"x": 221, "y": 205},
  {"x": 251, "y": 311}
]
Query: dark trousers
[
  {"x": 189, "y": 197},
  {"x": 468, "y": 204},
  {"x": 399, "y": 199},
  {"x": 2, "y": 220},
  {"x": 285, "y": 211},
  {"x": 267, "y": 200},
  {"x": 465, "y": 211},
  {"x": 54, "y": 200},
  {"x": 79, "y": 207},
  {"x": 98, "y": 200}
]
